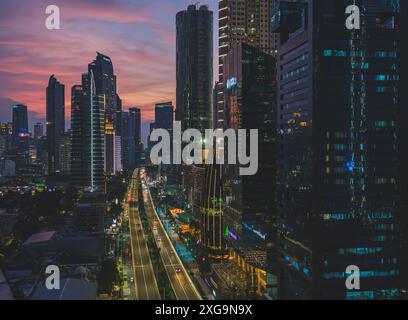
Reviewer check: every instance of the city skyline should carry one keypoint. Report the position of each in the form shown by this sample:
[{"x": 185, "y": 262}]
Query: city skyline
[
  {"x": 146, "y": 76},
  {"x": 305, "y": 98}
]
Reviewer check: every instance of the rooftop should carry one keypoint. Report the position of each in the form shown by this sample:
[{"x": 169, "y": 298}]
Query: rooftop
[
  {"x": 40, "y": 237},
  {"x": 5, "y": 292},
  {"x": 70, "y": 289}
]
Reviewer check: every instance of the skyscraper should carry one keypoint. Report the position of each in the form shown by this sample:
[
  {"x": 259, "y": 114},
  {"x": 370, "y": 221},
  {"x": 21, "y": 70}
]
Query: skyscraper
[
  {"x": 338, "y": 182},
  {"x": 250, "y": 104},
  {"x": 55, "y": 96},
  {"x": 110, "y": 134},
  {"x": 105, "y": 83},
  {"x": 135, "y": 117},
  {"x": 164, "y": 115},
  {"x": 6, "y": 131},
  {"x": 194, "y": 90},
  {"x": 65, "y": 149},
  {"x": 128, "y": 147},
  {"x": 88, "y": 135},
  {"x": 38, "y": 130},
  {"x": 403, "y": 156},
  {"x": 194, "y": 67},
  {"x": 20, "y": 134},
  {"x": 242, "y": 21},
  {"x": 94, "y": 135},
  {"x": 246, "y": 21},
  {"x": 105, "y": 86},
  {"x": 131, "y": 137},
  {"x": 78, "y": 115}
]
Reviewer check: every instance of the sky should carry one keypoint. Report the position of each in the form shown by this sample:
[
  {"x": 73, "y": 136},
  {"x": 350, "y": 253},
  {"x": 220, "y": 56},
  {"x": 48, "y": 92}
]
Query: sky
[{"x": 138, "y": 35}]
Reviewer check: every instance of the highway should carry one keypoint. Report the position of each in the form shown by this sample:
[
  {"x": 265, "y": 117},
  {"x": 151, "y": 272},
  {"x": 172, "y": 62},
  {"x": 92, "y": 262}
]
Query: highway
[
  {"x": 144, "y": 278},
  {"x": 181, "y": 283}
]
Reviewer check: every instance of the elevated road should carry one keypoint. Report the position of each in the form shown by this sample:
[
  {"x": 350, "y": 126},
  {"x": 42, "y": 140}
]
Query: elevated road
[
  {"x": 144, "y": 278},
  {"x": 180, "y": 280}
]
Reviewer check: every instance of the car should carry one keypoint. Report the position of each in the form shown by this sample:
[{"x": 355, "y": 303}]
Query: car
[{"x": 178, "y": 270}]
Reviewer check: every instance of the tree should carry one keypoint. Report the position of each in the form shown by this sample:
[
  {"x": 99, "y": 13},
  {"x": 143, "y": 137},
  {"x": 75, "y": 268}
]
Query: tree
[{"x": 108, "y": 276}]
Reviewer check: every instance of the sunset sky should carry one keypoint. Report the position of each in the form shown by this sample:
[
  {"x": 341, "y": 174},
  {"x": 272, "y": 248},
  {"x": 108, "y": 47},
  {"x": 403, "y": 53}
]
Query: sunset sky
[{"x": 139, "y": 36}]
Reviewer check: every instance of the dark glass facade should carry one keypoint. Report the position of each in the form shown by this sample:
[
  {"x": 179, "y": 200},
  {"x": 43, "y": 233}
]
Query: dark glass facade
[
  {"x": 338, "y": 183},
  {"x": 55, "y": 123},
  {"x": 194, "y": 67},
  {"x": 105, "y": 86},
  {"x": 88, "y": 135},
  {"x": 77, "y": 135},
  {"x": 250, "y": 93},
  {"x": 136, "y": 118},
  {"x": 164, "y": 115},
  {"x": 20, "y": 134}
]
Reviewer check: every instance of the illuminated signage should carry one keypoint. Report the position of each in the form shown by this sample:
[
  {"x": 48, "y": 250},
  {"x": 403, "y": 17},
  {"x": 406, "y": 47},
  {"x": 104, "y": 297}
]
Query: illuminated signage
[
  {"x": 233, "y": 235},
  {"x": 232, "y": 82},
  {"x": 175, "y": 212},
  {"x": 230, "y": 234},
  {"x": 351, "y": 165},
  {"x": 256, "y": 232}
]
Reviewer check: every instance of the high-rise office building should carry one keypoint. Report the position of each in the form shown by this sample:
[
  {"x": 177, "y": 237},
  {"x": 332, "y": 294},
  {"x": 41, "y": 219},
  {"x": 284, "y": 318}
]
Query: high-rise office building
[
  {"x": 128, "y": 148},
  {"x": 135, "y": 117},
  {"x": 105, "y": 83},
  {"x": 164, "y": 115},
  {"x": 164, "y": 118},
  {"x": 65, "y": 150},
  {"x": 338, "y": 115},
  {"x": 3, "y": 142},
  {"x": 242, "y": 21},
  {"x": 88, "y": 135},
  {"x": 95, "y": 129},
  {"x": 118, "y": 126},
  {"x": 118, "y": 154},
  {"x": 6, "y": 131},
  {"x": 38, "y": 131},
  {"x": 78, "y": 114},
  {"x": 249, "y": 209},
  {"x": 194, "y": 67},
  {"x": 131, "y": 137},
  {"x": 105, "y": 86},
  {"x": 403, "y": 151},
  {"x": 20, "y": 133},
  {"x": 55, "y": 98},
  {"x": 194, "y": 91},
  {"x": 119, "y": 161},
  {"x": 109, "y": 148}
]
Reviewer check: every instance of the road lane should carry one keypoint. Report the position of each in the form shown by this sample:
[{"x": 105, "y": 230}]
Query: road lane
[
  {"x": 181, "y": 283},
  {"x": 144, "y": 278}
]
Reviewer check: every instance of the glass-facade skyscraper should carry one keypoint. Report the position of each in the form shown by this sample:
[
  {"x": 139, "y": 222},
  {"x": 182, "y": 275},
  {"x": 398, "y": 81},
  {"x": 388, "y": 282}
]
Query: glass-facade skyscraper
[
  {"x": 338, "y": 104},
  {"x": 105, "y": 85},
  {"x": 78, "y": 115},
  {"x": 55, "y": 123},
  {"x": 20, "y": 133},
  {"x": 194, "y": 67},
  {"x": 242, "y": 21},
  {"x": 88, "y": 135}
]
